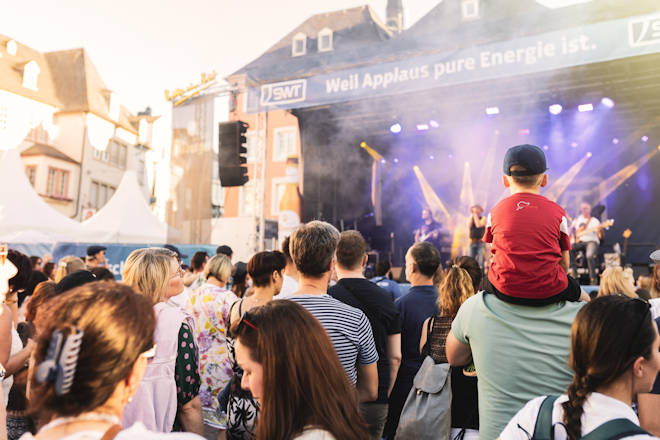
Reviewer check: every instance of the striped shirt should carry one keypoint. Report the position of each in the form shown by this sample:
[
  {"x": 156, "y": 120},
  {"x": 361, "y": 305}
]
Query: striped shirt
[{"x": 348, "y": 328}]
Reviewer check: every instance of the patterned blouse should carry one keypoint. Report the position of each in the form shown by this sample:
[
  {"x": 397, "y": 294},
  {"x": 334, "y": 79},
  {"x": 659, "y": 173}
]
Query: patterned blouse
[{"x": 209, "y": 306}]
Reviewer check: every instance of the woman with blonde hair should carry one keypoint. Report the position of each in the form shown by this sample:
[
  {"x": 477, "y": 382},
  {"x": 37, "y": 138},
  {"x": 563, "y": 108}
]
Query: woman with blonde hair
[
  {"x": 616, "y": 280},
  {"x": 168, "y": 394},
  {"x": 209, "y": 306},
  {"x": 96, "y": 343},
  {"x": 68, "y": 265},
  {"x": 456, "y": 287}
]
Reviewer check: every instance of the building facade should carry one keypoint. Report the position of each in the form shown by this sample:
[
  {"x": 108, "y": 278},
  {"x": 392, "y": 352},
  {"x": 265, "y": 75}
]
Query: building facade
[{"x": 75, "y": 137}]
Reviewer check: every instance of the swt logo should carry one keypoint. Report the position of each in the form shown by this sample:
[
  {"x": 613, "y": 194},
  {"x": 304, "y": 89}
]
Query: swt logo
[
  {"x": 283, "y": 92},
  {"x": 644, "y": 31}
]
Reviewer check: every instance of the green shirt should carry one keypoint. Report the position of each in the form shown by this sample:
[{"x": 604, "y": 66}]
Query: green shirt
[{"x": 519, "y": 352}]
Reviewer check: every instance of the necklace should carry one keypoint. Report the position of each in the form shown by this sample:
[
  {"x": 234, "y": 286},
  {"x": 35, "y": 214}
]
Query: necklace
[{"x": 86, "y": 417}]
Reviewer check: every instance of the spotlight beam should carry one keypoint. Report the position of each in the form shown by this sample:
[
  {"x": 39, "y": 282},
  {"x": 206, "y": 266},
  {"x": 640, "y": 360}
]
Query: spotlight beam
[
  {"x": 608, "y": 186},
  {"x": 431, "y": 198},
  {"x": 559, "y": 186}
]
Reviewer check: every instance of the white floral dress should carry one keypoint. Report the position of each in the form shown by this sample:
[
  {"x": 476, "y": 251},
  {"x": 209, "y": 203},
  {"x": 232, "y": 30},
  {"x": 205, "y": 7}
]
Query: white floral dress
[{"x": 209, "y": 306}]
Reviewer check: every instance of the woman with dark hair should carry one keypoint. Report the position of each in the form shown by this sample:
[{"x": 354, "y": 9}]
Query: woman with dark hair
[
  {"x": 102, "y": 273},
  {"x": 96, "y": 343},
  {"x": 265, "y": 269},
  {"x": 239, "y": 283},
  {"x": 456, "y": 287},
  {"x": 614, "y": 354},
  {"x": 49, "y": 270},
  {"x": 303, "y": 393},
  {"x": 209, "y": 306}
]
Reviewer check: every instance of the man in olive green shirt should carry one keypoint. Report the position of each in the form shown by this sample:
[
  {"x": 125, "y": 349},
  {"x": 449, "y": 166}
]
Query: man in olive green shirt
[{"x": 519, "y": 352}]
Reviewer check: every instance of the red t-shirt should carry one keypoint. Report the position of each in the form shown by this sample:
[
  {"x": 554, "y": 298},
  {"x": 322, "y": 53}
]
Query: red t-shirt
[{"x": 528, "y": 233}]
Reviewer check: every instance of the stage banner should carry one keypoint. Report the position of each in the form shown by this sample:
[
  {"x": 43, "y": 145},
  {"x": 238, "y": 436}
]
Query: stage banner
[
  {"x": 591, "y": 43},
  {"x": 116, "y": 254}
]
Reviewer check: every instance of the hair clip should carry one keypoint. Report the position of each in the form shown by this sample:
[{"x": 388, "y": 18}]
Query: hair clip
[
  {"x": 455, "y": 266},
  {"x": 59, "y": 365}
]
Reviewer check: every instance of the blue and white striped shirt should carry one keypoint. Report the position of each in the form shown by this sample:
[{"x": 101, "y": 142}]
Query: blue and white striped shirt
[{"x": 348, "y": 328}]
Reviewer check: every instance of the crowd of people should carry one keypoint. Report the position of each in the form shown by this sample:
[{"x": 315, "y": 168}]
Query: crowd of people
[{"x": 299, "y": 344}]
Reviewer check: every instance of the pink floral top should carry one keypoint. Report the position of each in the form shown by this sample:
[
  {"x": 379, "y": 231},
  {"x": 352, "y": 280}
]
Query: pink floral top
[{"x": 209, "y": 306}]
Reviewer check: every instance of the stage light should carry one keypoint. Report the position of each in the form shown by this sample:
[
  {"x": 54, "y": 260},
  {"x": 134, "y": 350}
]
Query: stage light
[
  {"x": 383, "y": 161},
  {"x": 492, "y": 111},
  {"x": 431, "y": 157},
  {"x": 433, "y": 123},
  {"x": 615, "y": 141},
  {"x": 589, "y": 154},
  {"x": 396, "y": 160},
  {"x": 523, "y": 131},
  {"x": 574, "y": 144},
  {"x": 497, "y": 132},
  {"x": 450, "y": 156},
  {"x": 545, "y": 147},
  {"x": 607, "y": 102},
  {"x": 555, "y": 109},
  {"x": 396, "y": 128},
  {"x": 585, "y": 107},
  {"x": 422, "y": 127},
  {"x": 645, "y": 138}
]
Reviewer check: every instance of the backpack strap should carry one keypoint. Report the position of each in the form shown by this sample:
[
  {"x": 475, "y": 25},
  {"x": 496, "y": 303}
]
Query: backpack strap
[
  {"x": 543, "y": 429},
  {"x": 426, "y": 349},
  {"x": 614, "y": 430}
]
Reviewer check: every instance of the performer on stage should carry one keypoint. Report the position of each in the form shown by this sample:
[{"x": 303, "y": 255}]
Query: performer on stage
[
  {"x": 588, "y": 233},
  {"x": 430, "y": 230},
  {"x": 476, "y": 224}
]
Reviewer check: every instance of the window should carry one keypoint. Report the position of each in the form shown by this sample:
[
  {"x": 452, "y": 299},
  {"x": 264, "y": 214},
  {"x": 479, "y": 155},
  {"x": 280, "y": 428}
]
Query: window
[
  {"x": 285, "y": 143},
  {"x": 99, "y": 194},
  {"x": 251, "y": 145},
  {"x": 31, "y": 75},
  {"x": 470, "y": 9},
  {"x": 58, "y": 183},
  {"x": 12, "y": 47},
  {"x": 278, "y": 187},
  {"x": 247, "y": 202},
  {"x": 325, "y": 40},
  {"x": 4, "y": 114},
  {"x": 115, "y": 154},
  {"x": 299, "y": 46},
  {"x": 31, "y": 173}
]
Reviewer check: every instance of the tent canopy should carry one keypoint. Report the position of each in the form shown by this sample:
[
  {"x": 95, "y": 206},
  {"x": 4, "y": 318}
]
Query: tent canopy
[
  {"x": 24, "y": 216},
  {"x": 127, "y": 218}
]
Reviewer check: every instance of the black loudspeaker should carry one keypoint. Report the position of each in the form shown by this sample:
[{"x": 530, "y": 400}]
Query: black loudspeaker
[{"x": 232, "y": 153}]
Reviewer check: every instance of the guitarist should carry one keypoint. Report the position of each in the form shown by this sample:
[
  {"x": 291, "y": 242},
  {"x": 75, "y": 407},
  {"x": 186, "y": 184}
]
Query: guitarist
[
  {"x": 430, "y": 230},
  {"x": 588, "y": 241}
]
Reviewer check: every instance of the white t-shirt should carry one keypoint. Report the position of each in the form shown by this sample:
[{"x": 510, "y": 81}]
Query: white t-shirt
[
  {"x": 315, "y": 434},
  {"x": 289, "y": 287},
  {"x": 598, "y": 409},
  {"x": 592, "y": 223},
  {"x": 137, "y": 431}
]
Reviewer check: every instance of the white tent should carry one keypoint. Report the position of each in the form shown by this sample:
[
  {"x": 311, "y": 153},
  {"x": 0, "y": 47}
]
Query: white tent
[
  {"x": 24, "y": 216},
  {"x": 126, "y": 218}
]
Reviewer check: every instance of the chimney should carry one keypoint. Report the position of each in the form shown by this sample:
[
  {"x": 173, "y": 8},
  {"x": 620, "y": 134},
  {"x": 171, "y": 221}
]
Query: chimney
[{"x": 395, "y": 16}]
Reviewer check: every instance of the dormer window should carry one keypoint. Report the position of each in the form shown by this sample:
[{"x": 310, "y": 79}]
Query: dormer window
[
  {"x": 299, "y": 46},
  {"x": 12, "y": 47},
  {"x": 114, "y": 106},
  {"x": 31, "y": 75},
  {"x": 470, "y": 9},
  {"x": 325, "y": 40}
]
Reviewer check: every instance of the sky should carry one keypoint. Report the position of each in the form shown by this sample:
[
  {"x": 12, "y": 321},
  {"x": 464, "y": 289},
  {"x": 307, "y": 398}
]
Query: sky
[{"x": 142, "y": 47}]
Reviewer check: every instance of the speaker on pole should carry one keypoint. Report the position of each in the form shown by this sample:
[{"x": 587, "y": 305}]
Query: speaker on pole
[{"x": 232, "y": 153}]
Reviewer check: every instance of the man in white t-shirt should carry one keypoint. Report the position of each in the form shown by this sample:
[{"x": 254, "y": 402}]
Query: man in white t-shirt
[
  {"x": 588, "y": 234},
  {"x": 290, "y": 281}
]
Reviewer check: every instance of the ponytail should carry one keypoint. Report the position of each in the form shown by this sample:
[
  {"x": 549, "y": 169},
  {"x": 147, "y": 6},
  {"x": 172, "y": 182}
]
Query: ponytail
[{"x": 577, "y": 392}]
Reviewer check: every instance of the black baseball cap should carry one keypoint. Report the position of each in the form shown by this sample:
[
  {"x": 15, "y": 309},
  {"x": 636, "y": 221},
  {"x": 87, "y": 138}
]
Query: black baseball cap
[
  {"x": 175, "y": 249},
  {"x": 527, "y": 156},
  {"x": 93, "y": 250}
]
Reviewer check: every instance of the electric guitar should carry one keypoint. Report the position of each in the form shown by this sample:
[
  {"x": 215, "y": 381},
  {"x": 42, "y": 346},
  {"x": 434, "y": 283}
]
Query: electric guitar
[{"x": 604, "y": 225}]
